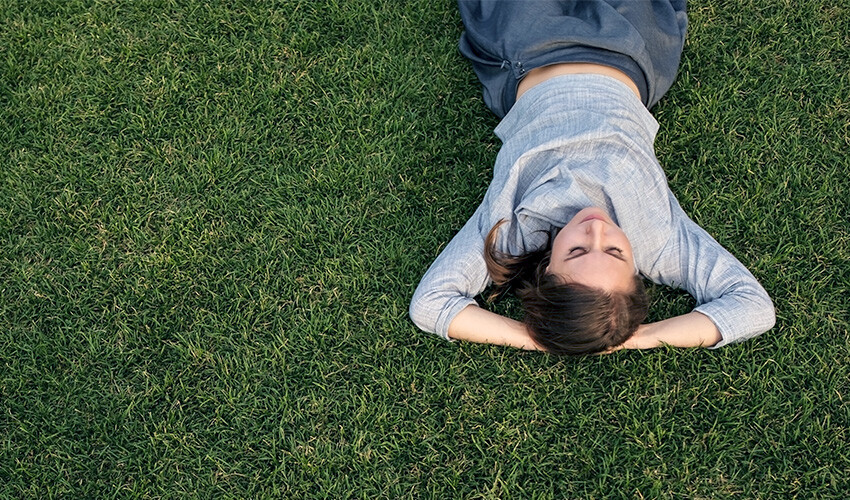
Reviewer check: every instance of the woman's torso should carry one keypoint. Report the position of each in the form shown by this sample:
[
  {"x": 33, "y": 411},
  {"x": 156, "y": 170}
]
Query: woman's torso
[{"x": 540, "y": 75}]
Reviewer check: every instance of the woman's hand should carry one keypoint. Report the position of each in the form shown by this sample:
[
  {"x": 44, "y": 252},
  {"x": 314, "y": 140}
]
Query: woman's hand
[{"x": 688, "y": 330}]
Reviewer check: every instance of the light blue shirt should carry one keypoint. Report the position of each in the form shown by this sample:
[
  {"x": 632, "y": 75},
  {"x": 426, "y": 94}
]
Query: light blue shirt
[{"x": 572, "y": 142}]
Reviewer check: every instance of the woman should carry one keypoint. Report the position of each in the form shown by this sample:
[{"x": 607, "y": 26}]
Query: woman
[{"x": 579, "y": 208}]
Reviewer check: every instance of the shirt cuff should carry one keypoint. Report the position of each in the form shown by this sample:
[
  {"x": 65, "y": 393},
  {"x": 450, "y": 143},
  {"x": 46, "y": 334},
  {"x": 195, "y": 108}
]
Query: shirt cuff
[
  {"x": 724, "y": 324},
  {"x": 452, "y": 309}
]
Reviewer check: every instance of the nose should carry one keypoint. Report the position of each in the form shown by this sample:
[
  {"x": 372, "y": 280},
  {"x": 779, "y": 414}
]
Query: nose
[
  {"x": 595, "y": 229},
  {"x": 595, "y": 226}
]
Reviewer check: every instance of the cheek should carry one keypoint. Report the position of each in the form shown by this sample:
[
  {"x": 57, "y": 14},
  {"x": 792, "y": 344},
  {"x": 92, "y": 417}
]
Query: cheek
[
  {"x": 625, "y": 243},
  {"x": 562, "y": 240}
]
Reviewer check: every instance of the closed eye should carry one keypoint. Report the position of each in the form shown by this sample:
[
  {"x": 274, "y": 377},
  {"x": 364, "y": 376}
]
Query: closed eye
[
  {"x": 576, "y": 252},
  {"x": 615, "y": 252}
]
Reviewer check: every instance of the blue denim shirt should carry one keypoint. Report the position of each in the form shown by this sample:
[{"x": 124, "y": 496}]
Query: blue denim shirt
[{"x": 572, "y": 142}]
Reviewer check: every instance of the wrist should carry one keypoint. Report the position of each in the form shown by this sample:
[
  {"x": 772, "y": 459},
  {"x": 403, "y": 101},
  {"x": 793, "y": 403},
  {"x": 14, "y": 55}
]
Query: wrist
[{"x": 641, "y": 339}]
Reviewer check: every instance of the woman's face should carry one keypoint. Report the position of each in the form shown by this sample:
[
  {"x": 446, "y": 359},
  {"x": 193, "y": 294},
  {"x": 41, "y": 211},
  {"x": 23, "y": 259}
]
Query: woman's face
[{"x": 593, "y": 251}]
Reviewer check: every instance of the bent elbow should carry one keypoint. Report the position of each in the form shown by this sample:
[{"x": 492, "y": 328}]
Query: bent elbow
[
  {"x": 416, "y": 314},
  {"x": 419, "y": 312},
  {"x": 769, "y": 315},
  {"x": 762, "y": 316}
]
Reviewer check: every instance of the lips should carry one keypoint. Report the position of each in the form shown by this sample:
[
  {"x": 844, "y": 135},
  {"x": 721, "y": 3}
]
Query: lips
[{"x": 592, "y": 217}]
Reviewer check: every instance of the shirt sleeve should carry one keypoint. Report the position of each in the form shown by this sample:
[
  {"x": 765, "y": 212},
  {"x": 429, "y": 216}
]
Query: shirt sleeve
[
  {"x": 724, "y": 289},
  {"x": 453, "y": 280}
]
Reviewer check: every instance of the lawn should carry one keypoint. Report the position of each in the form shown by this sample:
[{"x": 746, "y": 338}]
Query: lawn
[{"x": 213, "y": 216}]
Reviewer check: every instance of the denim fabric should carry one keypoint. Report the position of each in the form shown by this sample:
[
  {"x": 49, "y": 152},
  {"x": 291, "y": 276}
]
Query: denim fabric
[
  {"x": 505, "y": 39},
  {"x": 572, "y": 142}
]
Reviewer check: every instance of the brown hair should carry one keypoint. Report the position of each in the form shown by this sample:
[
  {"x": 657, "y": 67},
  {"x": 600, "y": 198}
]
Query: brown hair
[{"x": 563, "y": 317}]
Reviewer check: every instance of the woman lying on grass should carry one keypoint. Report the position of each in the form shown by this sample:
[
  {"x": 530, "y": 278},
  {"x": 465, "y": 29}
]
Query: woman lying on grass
[{"x": 579, "y": 210}]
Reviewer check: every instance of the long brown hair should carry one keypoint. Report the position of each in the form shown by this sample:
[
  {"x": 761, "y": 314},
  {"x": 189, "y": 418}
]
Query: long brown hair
[{"x": 563, "y": 317}]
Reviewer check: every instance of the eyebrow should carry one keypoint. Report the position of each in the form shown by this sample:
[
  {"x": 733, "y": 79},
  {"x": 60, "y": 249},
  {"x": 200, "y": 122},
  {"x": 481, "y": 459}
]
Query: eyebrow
[{"x": 585, "y": 252}]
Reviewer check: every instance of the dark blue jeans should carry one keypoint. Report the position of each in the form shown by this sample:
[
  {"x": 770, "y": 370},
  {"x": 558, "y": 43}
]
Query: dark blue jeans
[{"x": 505, "y": 39}]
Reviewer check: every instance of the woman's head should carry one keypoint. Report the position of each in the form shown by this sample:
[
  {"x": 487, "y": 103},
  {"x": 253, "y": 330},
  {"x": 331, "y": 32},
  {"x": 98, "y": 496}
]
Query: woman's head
[{"x": 582, "y": 294}]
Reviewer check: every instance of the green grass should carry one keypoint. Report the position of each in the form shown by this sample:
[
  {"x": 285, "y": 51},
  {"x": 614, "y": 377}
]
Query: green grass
[{"x": 212, "y": 219}]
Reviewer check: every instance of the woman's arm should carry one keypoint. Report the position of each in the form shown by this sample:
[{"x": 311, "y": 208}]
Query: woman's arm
[
  {"x": 729, "y": 298},
  {"x": 474, "y": 324},
  {"x": 452, "y": 281},
  {"x": 480, "y": 325},
  {"x": 688, "y": 330}
]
